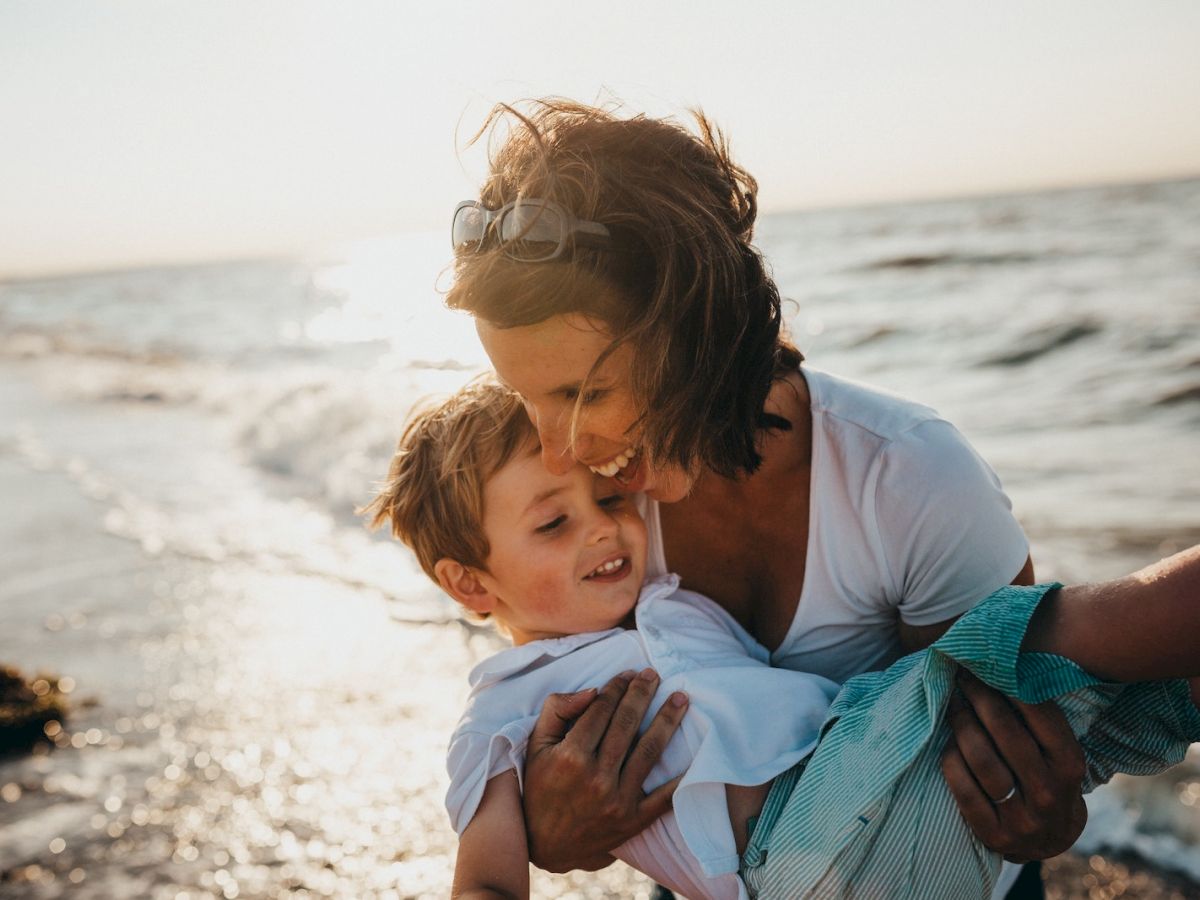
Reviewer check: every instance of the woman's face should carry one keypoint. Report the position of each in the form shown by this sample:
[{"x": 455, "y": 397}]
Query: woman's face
[{"x": 547, "y": 364}]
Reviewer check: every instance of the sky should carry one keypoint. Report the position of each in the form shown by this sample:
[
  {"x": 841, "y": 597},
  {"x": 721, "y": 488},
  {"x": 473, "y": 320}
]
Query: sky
[{"x": 154, "y": 131}]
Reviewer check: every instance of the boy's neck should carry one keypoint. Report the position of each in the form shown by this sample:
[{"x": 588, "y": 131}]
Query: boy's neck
[{"x": 519, "y": 637}]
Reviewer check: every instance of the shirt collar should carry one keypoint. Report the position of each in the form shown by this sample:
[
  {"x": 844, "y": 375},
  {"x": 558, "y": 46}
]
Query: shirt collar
[{"x": 527, "y": 656}]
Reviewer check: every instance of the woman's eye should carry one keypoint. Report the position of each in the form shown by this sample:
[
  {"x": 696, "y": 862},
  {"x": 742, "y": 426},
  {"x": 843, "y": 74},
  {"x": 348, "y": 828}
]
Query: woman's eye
[
  {"x": 592, "y": 396},
  {"x": 552, "y": 525}
]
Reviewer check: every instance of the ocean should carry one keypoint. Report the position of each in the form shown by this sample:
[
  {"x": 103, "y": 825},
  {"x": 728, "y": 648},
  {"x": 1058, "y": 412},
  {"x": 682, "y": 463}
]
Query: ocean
[{"x": 264, "y": 689}]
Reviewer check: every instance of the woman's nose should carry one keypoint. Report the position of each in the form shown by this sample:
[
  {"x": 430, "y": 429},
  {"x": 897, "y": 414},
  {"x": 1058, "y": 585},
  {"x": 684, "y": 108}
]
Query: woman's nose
[{"x": 556, "y": 452}]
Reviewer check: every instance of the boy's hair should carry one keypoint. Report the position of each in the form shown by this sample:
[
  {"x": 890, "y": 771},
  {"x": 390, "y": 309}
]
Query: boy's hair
[{"x": 433, "y": 496}]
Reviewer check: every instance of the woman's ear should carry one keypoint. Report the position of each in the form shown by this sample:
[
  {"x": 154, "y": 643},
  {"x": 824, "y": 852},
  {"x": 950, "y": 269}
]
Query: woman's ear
[{"x": 463, "y": 584}]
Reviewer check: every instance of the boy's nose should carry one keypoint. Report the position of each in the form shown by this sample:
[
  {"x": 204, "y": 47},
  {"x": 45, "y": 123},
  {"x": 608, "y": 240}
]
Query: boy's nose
[{"x": 604, "y": 527}]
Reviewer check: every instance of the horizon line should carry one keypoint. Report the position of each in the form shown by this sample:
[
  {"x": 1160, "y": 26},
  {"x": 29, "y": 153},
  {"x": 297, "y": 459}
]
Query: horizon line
[{"x": 300, "y": 252}]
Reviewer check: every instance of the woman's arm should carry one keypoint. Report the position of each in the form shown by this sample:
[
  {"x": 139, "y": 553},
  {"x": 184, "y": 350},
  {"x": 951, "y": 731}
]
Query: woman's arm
[
  {"x": 1146, "y": 626},
  {"x": 1143, "y": 627},
  {"x": 584, "y": 771},
  {"x": 493, "y": 859}
]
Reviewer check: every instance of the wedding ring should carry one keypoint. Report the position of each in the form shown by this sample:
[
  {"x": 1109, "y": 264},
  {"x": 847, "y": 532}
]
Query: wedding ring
[{"x": 1012, "y": 793}]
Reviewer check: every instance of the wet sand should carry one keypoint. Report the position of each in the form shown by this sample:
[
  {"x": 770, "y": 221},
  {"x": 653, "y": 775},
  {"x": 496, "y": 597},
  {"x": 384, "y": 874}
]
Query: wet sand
[{"x": 239, "y": 732}]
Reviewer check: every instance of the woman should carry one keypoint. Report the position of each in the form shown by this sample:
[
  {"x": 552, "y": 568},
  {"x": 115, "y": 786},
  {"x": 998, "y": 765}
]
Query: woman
[{"x": 609, "y": 267}]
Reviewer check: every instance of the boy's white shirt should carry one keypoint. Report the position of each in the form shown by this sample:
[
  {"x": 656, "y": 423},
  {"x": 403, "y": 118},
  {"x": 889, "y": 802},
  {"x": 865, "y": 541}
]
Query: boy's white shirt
[{"x": 746, "y": 723}]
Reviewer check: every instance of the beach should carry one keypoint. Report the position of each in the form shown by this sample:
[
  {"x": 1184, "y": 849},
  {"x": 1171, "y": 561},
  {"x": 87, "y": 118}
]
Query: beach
[
  {"x": 262, "y": 691},
  {"x": 223, "y": 746}
]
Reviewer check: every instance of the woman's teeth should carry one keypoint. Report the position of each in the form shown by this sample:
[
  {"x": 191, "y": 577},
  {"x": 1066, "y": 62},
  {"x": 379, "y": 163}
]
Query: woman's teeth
[
  {"x": 613, "y": 466},
  {"x": 607, "y": 568}
]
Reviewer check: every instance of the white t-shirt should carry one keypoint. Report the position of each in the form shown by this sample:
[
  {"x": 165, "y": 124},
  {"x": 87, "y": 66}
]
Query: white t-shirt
[
  {"x": 906, "y": 522},
  {"x": 746, "y": 723}
]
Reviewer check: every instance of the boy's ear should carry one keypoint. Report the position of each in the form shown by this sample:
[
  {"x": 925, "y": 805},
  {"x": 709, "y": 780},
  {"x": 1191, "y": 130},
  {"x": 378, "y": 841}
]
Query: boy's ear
[{"x": 463, "y": 584}]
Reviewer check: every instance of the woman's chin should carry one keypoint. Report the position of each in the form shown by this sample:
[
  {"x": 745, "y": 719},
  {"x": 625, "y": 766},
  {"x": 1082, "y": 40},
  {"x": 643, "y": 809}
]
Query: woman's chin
[
  {"x": 669, "y": 493},
  {"x": 632, "y": 478},
  {"x": 664, "y": 485}
]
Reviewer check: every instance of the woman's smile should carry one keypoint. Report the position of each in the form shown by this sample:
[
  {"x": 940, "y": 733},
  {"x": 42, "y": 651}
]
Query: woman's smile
[{"x": 615, "y": 465}]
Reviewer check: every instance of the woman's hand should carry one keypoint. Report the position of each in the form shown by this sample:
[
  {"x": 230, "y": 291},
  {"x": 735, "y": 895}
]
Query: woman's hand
[
  {"x": 1016, "y": 772},
  {"x": 584, "y": 770}
]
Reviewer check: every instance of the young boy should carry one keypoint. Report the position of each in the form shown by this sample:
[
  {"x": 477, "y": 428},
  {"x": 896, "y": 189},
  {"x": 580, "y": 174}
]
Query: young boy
[{"x": 558, "y": 561}]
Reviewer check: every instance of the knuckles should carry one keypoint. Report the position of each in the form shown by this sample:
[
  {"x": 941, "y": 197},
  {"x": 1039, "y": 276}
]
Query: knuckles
[
  {"x": 613, "y": 809},
  {"x": 649, "y": 748},
  {"x": 1041, "y": 798},
  {"x": 626, "y": 719},
  {"x": 1074, "y": 768}
]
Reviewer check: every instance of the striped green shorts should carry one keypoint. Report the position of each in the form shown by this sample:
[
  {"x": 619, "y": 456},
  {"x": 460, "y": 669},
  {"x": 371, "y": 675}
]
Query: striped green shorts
[{"x": 869, "y": 813}]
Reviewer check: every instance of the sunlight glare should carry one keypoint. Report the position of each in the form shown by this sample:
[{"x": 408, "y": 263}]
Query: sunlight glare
[{"x": 388, "y": 289}]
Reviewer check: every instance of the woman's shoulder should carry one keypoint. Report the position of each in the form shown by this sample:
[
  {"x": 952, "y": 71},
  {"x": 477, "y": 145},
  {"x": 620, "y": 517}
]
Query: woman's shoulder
[{"x": 843, "y": 403}]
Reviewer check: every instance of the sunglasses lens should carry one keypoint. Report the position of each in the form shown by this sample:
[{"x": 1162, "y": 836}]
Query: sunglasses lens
[
  {"x": 532, "y": 232},
  {"x": 470, "y": 223}
]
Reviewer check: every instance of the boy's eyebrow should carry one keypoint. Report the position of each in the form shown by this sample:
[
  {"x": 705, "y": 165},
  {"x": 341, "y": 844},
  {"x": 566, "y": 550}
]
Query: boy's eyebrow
[{"x": 544, "y": 495}]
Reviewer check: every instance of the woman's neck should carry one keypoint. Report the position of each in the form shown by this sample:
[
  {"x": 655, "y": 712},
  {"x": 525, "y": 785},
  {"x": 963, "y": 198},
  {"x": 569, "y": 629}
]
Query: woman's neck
[
  {"x": 742, "y": 541},
  {"x": 785, "y": 453}
]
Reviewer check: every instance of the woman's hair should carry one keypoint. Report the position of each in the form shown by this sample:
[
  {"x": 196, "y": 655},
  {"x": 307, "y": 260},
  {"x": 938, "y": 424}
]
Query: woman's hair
[{"x": 682, "y": 284}]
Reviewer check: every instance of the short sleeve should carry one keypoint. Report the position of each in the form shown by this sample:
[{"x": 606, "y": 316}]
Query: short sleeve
[
  {"x": 474, "y": 758},
  {"x": 945, "y": 525}
]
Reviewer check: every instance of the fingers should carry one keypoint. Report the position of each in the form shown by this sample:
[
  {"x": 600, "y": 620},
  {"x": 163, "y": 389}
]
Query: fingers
[
  {"x": 999, "y": 745},
  {"x": 590, "y": 728},
  {"x": 974, "y": 805},
  {"x": 657, "y": 802},
  {"x": 650, "y": 746},
  {"x": 996, "y": 745},
  {"x": 558, "y": 712},
  {"x": 1061, "y": 749},
  {"x": 627, "y": 718}
]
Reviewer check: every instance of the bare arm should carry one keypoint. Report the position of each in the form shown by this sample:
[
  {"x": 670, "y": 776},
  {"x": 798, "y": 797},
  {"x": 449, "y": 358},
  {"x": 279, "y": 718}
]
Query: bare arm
[
  {"x": 918, "y": 637},
  {"x": 1142, "y": 627},
  {"x": 493, "y": 858}
]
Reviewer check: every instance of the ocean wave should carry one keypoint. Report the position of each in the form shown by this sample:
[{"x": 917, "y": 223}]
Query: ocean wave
[
  {"x": 934, "y": 260},
  {"x": 319, "y": 430},
  {"x": 26, "y": 343},
  {"x": 1036, "y": 344},
  {"x": 104, "y": 374},
  {"x": 1188, "y": 394},
  {"x": 331, "y": 435}
]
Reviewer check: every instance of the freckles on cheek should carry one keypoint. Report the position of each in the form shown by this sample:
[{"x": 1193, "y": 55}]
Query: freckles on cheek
[{"x": 545, "y": 589}]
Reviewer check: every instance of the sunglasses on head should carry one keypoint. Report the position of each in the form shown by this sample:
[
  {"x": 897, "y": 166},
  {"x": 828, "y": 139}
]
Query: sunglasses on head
[{"x": 528, "y": 230}]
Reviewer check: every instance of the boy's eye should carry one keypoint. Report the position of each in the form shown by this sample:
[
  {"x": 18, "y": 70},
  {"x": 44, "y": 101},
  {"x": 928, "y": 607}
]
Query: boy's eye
[
  {"x": 551, "y": 525},
  {"x": 612, "y": 501}
]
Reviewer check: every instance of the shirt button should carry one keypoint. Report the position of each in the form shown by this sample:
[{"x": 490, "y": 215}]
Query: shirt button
[{"x": 653, "y": 631}]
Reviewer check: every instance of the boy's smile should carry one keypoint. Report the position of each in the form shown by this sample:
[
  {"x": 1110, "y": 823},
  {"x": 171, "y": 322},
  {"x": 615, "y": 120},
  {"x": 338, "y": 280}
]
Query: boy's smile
[{"x": 567, "y": 552}]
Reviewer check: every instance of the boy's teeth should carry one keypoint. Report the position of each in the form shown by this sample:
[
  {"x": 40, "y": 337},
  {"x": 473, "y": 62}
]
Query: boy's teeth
[{"x": 607, "y": 568}]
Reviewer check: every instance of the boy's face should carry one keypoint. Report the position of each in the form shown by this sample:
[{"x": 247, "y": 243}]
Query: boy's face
[{"x": 568, "y": 552}]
